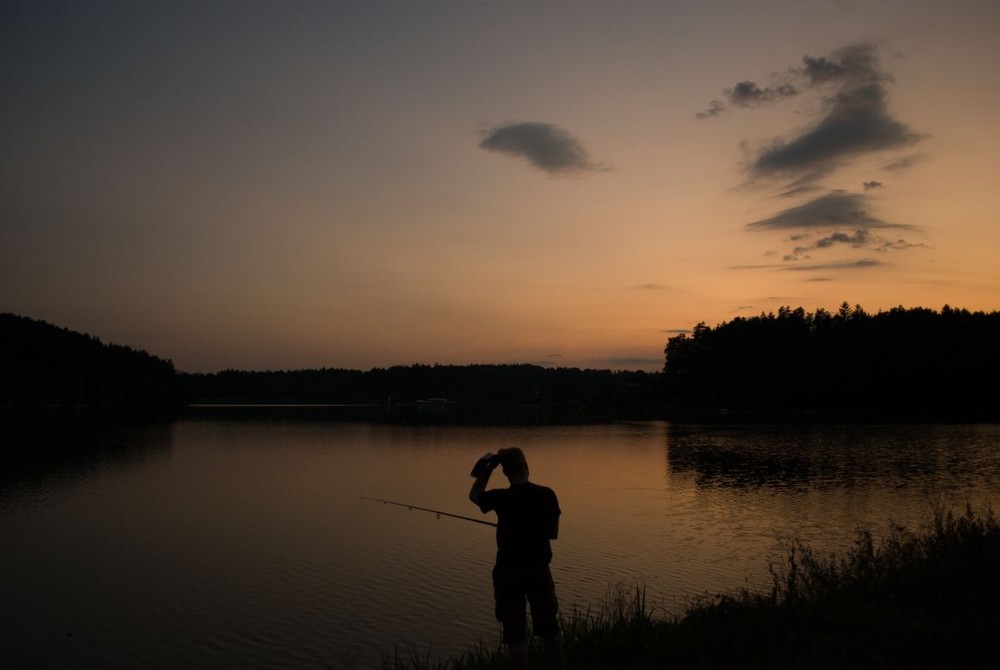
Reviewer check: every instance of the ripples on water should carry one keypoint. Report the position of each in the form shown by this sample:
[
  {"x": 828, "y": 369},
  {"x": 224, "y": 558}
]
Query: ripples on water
[{"x": 214, "y": 544}]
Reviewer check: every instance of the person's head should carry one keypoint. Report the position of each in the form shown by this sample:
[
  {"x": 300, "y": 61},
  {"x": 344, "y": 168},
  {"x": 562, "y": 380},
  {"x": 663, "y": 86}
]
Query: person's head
[{"x": 515, "y": 465}]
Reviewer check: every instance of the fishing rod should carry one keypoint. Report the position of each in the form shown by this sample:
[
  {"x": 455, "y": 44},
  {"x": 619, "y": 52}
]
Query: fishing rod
[{"x": 425, "y": 509}]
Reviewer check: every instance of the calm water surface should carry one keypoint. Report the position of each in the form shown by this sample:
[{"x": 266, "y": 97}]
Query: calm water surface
[{"x": 246, "y": 544}]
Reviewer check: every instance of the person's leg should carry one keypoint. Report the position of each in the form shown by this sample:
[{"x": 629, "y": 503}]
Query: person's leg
[
  {"x": 541, "y": 594},
  {"x": 508, "y": 592}
]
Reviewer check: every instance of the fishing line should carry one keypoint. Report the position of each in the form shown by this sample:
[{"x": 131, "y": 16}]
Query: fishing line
[{"x": 433, "y": 511}]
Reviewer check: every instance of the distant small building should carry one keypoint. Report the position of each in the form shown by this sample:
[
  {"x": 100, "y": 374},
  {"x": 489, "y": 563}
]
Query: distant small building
[{"x": 435, "y": 409}]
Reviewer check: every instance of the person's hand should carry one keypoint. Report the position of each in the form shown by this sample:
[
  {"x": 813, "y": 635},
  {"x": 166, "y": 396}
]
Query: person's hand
[{"x": 485, "y": 465}]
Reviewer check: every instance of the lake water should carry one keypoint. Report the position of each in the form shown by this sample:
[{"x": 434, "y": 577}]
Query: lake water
[{"x": 247, "y": 544}]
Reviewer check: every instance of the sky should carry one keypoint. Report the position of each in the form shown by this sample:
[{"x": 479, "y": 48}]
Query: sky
[{"x": 284, "y": 185}]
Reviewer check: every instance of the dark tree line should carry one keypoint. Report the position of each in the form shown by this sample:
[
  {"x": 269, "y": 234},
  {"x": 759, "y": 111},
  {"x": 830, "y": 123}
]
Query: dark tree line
[
  {"x": 582, "y": 393},
  {"x": 42, "y": 365},
  {"x": 900, "y": 364}
]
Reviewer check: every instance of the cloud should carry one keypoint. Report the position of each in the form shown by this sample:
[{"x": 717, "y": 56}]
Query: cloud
[
  {"x": 857, "y": 123},
  {"x": 545, "y": 363},
  {"x": 840, "y": 218},
  {"x": 796, "y": 189},
  {"x": 858, "y": 239},
  {"x": 853, "y": 118},
  {"x": 904, "y": 163},
  {"x": 835, "y": 209},
  {"x": 714, "y": 109},
  {"x": 749, "y": 94},
  {"x": 629, "y": 363},
  {"x": 821, "y": 70},
  {"x": 860, "y": 264},
  {"x": 544, "y": 145},
  {"x": 850, "y": 120}
]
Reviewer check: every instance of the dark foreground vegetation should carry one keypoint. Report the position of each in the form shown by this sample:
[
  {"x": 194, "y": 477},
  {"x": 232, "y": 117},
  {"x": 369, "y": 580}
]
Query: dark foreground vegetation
[{"x": 915, "y": 599}]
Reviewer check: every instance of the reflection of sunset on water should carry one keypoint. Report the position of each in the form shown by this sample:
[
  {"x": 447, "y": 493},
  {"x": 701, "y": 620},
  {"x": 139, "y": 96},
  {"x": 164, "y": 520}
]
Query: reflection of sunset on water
[{"x": 248, "y": 542}]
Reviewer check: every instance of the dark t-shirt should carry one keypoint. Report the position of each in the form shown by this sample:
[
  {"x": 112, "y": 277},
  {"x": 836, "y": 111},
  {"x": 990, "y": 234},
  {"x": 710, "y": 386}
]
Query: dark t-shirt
[{"x": 526, "y": 513}]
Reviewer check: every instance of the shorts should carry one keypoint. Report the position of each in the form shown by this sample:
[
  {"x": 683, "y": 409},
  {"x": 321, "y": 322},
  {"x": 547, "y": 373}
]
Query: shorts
[{"x": 512, "y": 587}]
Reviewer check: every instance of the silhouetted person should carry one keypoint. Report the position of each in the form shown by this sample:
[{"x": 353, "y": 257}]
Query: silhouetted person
[{"x": 527, "y": 519}]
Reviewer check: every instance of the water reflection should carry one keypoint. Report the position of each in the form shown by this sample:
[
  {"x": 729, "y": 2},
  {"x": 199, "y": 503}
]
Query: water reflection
[
  {"x": 843, "y": 457},
  {"x": 46, "y": 452},
  {"x": 247, "y": 544}
]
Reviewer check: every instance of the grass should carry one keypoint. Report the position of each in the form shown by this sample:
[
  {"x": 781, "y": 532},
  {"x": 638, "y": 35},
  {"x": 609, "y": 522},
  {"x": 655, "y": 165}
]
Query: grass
[{"x": 915, "y": 599}]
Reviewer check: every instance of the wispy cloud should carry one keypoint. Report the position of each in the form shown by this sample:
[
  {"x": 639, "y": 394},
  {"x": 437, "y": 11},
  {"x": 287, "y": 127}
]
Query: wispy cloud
[
  {"x": 854, "y": 118},
  {"x": 857, "y": 123},
  {"x": 836, "y": 208},
  {"x": 544, "y": 145},
  {"x": 629, "y": 363},
  {"x": 904, "y": 163},
  {"x": 859, "y": 239},
  {"x": 551, "y": 361},
  {"x": 748, "y": 94},
  {"x": 714, "y": 108},
  {"x": 837, "y": 219},
  {"x": 859, "y": 264},
  {"x": 851, "y": 121}
]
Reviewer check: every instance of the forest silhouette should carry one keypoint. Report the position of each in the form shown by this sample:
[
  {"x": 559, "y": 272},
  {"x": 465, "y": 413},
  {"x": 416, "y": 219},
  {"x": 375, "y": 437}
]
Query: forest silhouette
[
  {"x": 44, "y": 366},
  {"x": 906, "y": 364},
  {"x": 902, "y": 364}
]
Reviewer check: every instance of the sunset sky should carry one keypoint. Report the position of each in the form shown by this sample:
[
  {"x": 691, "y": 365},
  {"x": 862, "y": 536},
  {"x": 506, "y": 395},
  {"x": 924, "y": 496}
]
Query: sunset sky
[{"x": 283, "y": 185}]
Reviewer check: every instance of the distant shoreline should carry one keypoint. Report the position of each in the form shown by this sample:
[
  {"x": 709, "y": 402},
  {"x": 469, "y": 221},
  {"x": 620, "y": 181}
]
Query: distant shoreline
[{"x": 426, "y": 412}]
